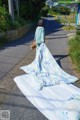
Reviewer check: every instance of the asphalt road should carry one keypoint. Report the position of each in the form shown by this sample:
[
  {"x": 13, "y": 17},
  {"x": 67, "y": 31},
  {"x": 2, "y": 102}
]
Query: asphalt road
[{"x": 19, "y": 51}]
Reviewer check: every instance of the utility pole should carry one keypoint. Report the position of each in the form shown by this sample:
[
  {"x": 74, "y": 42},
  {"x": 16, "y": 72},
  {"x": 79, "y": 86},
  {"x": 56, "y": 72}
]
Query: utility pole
[
  {"x": 11, "y": 9},
  {"x": 17, "y": 6},
  {"x": 78, "y": 15}
]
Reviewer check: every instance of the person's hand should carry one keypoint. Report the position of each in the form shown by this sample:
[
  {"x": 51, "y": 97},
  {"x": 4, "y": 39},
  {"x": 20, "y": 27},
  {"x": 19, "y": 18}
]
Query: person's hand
[{"x": 33, "y": 46}]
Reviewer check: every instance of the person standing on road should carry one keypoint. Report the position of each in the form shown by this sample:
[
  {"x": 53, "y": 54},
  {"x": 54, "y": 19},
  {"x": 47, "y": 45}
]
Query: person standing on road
[{"x": 39, "y": 35}]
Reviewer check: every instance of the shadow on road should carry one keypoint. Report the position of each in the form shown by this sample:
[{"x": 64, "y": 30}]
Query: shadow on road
[
  {"x": 51, "y": 26},
  {"x": 59, "y": 58}
]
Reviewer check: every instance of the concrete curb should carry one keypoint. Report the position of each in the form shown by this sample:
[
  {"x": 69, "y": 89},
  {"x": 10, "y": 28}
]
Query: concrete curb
[
  {"x": 18, "y": 33},
  {"x": 71, "y": 35}
]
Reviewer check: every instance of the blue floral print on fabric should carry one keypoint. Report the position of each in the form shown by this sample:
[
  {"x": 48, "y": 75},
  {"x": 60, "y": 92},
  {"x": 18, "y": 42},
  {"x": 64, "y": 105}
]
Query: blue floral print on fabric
[{"x": 46, "y": 70}]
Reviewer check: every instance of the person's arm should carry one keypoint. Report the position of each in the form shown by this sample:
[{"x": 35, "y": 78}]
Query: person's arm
[{"x": 33, "y": 45}]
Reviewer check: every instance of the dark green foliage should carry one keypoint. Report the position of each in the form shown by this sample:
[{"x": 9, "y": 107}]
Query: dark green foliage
[
  {"x": 17, "y": 23},
  {"x": 25, "y": 9},
  {"x": 30, "y": 9},
  {"x": 62, "y": 10},
  {"x": 44, "y": 11},
  {"x": 0, "y": 2},
  {"x": 4, "y": 3},
  {"x": 6, "y": 22},
  {"x": 4, "y": 19},
  {"x": 37, "y": 6},
  {"x": 78, "y": 30}
]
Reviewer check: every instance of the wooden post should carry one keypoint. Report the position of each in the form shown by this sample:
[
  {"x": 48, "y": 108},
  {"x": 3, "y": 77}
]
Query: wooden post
[{"x": 11, "y": 9}]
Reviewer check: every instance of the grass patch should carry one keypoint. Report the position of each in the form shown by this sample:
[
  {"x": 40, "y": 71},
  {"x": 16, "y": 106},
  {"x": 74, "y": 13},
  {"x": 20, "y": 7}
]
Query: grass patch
[
  {"x": 65, "y": 19},
  {"x": 69, "y": 28},
  {"x": 74, "y": 51}
]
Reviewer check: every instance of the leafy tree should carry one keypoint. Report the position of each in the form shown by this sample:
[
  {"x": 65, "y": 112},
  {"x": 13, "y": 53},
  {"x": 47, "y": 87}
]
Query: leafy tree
[
  {"x": 37, "y": 6},
  {"x": 26, "y": 8},
  {"x": 30, "y": 9},
  {"x": 4, "y": 18},
  {"x": 62, "y": 10},
  {"x": 44, "y": 11}
]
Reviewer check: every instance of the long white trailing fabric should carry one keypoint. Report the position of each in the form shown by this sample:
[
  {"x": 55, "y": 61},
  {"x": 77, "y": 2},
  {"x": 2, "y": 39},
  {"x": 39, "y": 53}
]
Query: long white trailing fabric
[
  {"x": 45, "y": 71},
  {"x": 58, "y": 100}
]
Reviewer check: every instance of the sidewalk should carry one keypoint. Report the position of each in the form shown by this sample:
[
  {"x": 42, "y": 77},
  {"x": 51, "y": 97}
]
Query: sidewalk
[
  {"x": 14, "y": 52},
  {"x": 18, "y": 54}
]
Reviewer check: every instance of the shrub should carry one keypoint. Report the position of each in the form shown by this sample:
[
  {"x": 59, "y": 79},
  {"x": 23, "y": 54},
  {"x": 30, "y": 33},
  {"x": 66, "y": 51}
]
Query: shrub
[
  {"x": 44, "y": 11},
  {"x": 16, "y": 25},
  {"x": 29, "y": 10},
  {"x": 4, "y": 19},
  {"x": 75, "y": 50},
  {"x": 78, "y": 30},
  {"x": 62, "y": 10},
  {"x": 76, "y": 58},
  {"x": 6, "y": 22}
]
